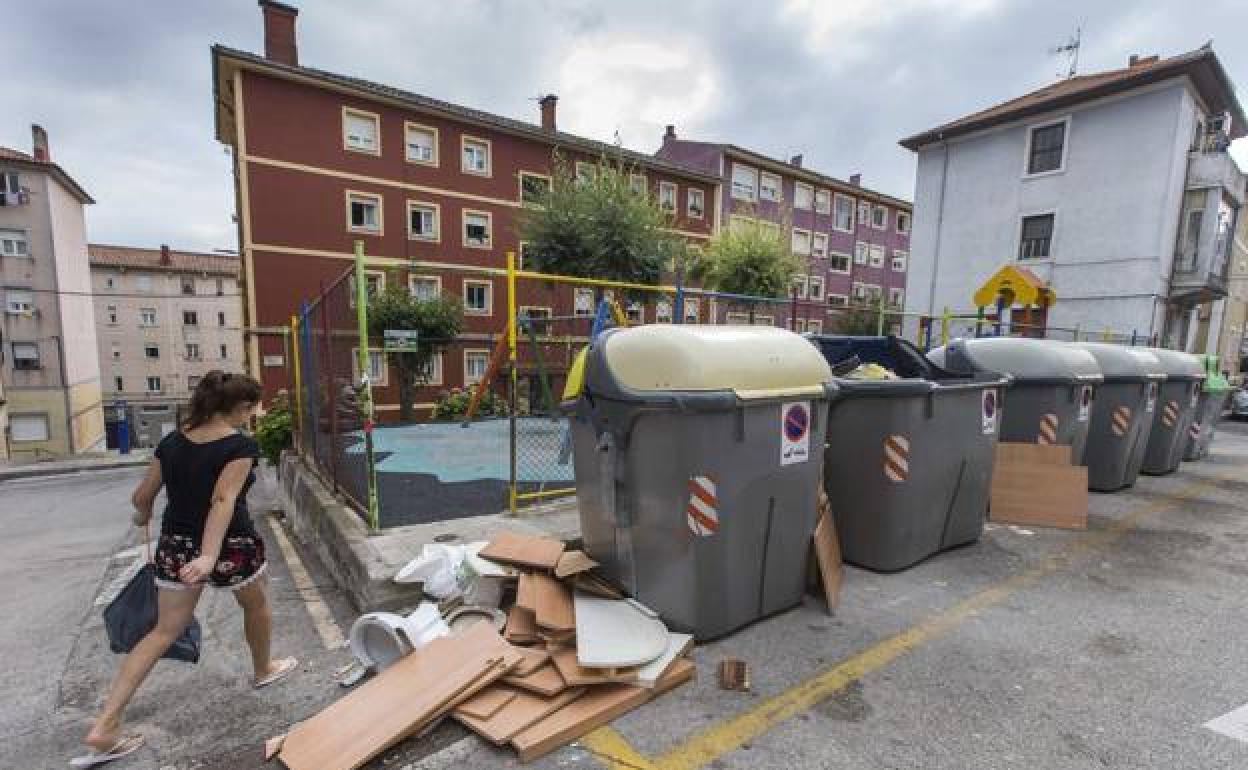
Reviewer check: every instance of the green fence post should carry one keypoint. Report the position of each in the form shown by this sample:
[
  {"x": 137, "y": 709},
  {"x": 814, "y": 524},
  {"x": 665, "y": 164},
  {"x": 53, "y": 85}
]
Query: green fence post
[{"x": 366, "y": 389}]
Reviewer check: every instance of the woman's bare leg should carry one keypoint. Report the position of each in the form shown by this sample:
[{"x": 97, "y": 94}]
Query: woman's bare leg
[
  {"x": 257, "y": 624},
  {"x": 176, "y": 610}
]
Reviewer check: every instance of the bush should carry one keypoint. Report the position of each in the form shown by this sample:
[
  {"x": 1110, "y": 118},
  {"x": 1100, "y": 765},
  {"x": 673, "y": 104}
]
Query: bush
[
  {"x": 274, "y": 432},
  {"x": 453, "y": 405}
]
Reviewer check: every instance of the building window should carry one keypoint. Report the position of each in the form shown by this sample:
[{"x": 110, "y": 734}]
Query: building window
[
  {"x": 815, "y": 290},
  {"x": 1189, "y": 239},
  {"x": 192, "y": 351},
  {"x": 10, "y": 184},
  {"x": 583, "y": 302},
  {"x": 879, "y": 217},
  {"x": 1045, "y": 147},
  {"x": 421, "y": 143},
  {"x": 533, "y": 187},
  {"x": 192, "y": 382},
  {"x": 1036, "y": 238},
  {"x": 432, "y": 373},
  {"x": 522, "y": 249},
  {"x": 635, "y": 313},
  {"x": 188, "y": 285},
  {"x": 667, "y": 196},
  {"x": 663, "y": 312},
  {"x": 858, "y": 291},
  {"x": 151, "y": 351},
  {"x": 110, "y": 281},
  {"x": 143, "y": 283},
  {"x": 475, "y": 364},
  {"x": 844, "y": 219},
  {"x": 190, "y": 318},
  {"x": 691, "y": 310},
  {"x": 803, "y": 196},
  {"x": 26, "y": 356},
  {"x": 28, "y": 427},
  {"x": 111, "y": 314},
  {"x": 903, "y": 221},
  {"x": 478, "y": 299},
  {"x": 744, "y": 183},
  {"x": 225, "y": 352},
  {"x": 695, "y": 204},
  {"x": 363, "y": 213},
  {"x": 377, "y": 369},
  {"x": 838, "y": 300},
  {"x": 153, "y": 384},
  {"x": 815, "y": 326},
  {"x": 799, "y": 287},
  {"x": 838, "y": 262},
  {"x": 361, "y": 131},
  {"x": 220, "y": 288},
  {"x": 769, "y": 188},
  {"x": 422, "y": 221},
  {"x": 899, "y": 261},
  {"x": 19, "y": 302},
  {"x": 116, "y": 351},
  {"x": 476, "y": 156},
  {"x": 536, "y": 316},
  {"x": 147, "y": 316},
  {"x": 118, "y": 384},
  {"x": 374, "y": 283},
  {"x": 864, "y": 213},
  {"x": 477, "y": 227},
  {"x": 637, "y": 183},
  {"x": 221, "y": 318},
  {"x": 801, "y": 241},
  {"x": 823, "y": 202},
  {"x": 819, "y": 245},
  {"x": 876, "y": 258},
  {"x": 13, "y": 243},
  {"x": 424, "y": 287},
  {"x": 896, "y": 298},
  {"x": 860, "y": 253},
  {"x": 585, "y": 172}
]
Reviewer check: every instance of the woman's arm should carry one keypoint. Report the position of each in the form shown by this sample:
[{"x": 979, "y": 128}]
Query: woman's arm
[
  {"x": 145, "y": 494},
  {"x": 224, "y": 494}
]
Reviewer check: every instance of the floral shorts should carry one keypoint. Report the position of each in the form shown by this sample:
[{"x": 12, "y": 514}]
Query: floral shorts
[{"x": 241, "y": 561}]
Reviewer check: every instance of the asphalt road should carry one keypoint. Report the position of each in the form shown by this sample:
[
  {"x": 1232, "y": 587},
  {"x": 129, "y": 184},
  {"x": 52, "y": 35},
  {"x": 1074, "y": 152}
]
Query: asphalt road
[{"x": 1030, "y": 649}]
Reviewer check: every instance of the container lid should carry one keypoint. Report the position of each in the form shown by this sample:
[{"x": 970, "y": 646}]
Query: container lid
[
  {"x": 1179, "y": 365},
  {"x": 1214, "y": 381},
  {"x": 1026, "y": 359},
  {"x": 1123, "y": 364},
  {"x": 751, "y": 361}
]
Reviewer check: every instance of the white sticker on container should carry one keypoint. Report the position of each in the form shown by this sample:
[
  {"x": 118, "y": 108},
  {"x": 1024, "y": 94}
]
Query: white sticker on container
[
  {"x": 1151, "y": 403},
  {"x": 988, "y": 415},
  {"x": 1085, "y": 403},
  {"x": 794, "y": 432}
]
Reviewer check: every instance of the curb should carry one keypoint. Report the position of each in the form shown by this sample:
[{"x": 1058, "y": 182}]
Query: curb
[{"x": 34, "y": 471}]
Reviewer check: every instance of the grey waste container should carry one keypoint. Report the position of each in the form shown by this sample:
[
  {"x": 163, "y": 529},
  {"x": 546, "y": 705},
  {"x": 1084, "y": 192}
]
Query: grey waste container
[
  {"x": 1213, "y": 395},
  {"x": 909, "y": 462},
  {"x": 1050, "y": 398},
  {"x": 697, "y": 455},
  {"x": 1176, "y": 406},
  {"x": 1122, "y": 414}
]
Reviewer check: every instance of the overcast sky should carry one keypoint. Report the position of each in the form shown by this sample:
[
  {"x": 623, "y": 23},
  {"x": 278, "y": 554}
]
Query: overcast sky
[{"x": 124, "y": 88}]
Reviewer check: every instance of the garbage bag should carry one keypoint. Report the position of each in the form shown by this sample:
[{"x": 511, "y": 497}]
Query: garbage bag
[{"x": 133, "y": 613}]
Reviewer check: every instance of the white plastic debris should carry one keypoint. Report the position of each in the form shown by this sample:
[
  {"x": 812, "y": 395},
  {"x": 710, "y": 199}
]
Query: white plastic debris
[{"x": 448, "y": 570}]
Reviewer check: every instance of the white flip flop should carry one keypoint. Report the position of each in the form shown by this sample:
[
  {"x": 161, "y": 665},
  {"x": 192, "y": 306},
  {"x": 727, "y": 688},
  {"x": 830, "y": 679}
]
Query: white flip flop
[
  {"x": 285, "y": 667},
  {"x": 121, "y": 748}
]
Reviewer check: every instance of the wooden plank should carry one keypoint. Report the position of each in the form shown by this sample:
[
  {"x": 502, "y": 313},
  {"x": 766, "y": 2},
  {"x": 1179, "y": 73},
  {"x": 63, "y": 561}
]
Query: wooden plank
[
  {"x": 544, "y": 681},
  {"x": 521, "y": 626},
  {"x": 524, "y": 710},
  {"x": 526, "y": 597},
  {"x": 554, "y": 608},
  {"x": 523, "y": 550},
  {"x": 596, "y": 708},
  {"x": 827, "y": 549},
  {"x": 1043, "y": 454},
  {"x": 534, "y": 659},
  {"x": 487, "y": 703},
  {"x": 1040, "y": 495},
  {"x": 577, "y": 675},
  {"x": 400, "y": 701},
  {"x": 572, "y": 563}
]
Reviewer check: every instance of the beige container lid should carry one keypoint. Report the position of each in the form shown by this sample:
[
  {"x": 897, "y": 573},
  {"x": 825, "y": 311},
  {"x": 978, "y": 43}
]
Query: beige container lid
[{"x": 752, "y": 361}]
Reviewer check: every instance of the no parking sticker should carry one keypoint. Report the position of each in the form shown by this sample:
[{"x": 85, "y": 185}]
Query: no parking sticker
[
  {"x": 794, "y": 433},
  {"x": 1085, "y": 403},
  {"x": 989, "y": 412}
]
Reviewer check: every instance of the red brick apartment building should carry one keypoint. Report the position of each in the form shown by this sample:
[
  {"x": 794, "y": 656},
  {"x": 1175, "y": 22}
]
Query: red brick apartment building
[{"x": 433, "y": 189}]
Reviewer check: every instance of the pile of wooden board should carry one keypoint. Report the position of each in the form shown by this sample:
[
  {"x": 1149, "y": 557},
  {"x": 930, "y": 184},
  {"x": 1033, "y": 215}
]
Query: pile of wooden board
[{"x": 589, "y": 654}]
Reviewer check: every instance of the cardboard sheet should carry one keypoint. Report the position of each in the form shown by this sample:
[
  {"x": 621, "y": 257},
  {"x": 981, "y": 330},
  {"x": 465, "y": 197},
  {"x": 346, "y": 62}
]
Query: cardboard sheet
[
  {"x": 523, "y": 550},
  {"x": 554, "y": 608},
  {"x": 1034, "y": 485}
]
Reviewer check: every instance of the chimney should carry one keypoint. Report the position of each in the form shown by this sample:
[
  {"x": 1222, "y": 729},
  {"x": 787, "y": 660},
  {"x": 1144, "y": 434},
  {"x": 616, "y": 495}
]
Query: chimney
[
  {"x": 39, "y": 143},
  {"x": 165, "y": 259},
  {"x": 1135, "y": 60},
  {"x": 796, "y": 160},
  {"x": 855, "y": 180},
  {"x": 669, "y": 133},
  {"x": 279, "y": 32},
  {"x": 548, "y": 103}
]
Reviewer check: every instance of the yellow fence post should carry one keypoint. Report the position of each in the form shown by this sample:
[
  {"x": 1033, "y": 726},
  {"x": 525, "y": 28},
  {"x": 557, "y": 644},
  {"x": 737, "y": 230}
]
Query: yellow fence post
[{"x": 944, "y": 326}]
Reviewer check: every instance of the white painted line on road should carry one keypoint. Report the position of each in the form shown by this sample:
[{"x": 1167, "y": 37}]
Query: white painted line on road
[
  {"x": 1233, "y": 724},
  {"x": 318, "y": 610}
]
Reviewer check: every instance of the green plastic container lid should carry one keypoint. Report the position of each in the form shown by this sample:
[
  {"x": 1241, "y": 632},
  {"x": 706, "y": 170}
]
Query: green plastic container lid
[{"x": 1214, "y": 381}]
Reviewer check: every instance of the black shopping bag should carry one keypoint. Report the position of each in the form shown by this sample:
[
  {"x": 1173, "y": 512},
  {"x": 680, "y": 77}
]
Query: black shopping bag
[{"x": 133, "y": 613}]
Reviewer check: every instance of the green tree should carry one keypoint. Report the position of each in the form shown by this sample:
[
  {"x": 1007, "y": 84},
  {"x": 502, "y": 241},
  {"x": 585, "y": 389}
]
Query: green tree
[
  {"x": 598, "y": 226},
  {"x": 438, "y": 322},
  {"x": 750, "y": 257}
]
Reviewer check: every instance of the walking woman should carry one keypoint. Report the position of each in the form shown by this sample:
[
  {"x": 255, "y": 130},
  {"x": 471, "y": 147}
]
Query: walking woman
[{"x": 206, "y": 536}]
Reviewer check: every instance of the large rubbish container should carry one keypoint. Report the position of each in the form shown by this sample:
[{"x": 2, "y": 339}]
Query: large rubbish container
[
  {"x": 909, "y": 462},
  {"x": 1122, "y": 414},
  {"x": 1050, "y": 398},
  {"x": 697, "y": 454},
  {"x": 1213, "y": 396},
  {"x": 1176, "y": 407}
]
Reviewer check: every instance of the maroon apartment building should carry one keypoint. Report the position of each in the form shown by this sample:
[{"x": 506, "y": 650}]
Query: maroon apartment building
[
  {"x": 856, "y": 242},
  {"x": 432, "y": 188}
]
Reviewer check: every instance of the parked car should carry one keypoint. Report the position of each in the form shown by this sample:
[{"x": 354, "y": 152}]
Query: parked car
[{"x": 1239, "y": 404}]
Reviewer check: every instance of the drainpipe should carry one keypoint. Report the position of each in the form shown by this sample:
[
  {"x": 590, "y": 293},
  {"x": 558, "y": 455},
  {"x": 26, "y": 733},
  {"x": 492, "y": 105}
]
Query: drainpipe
[
  {"x": 69, "y": 413},
  {"x": 940, "y": 220}
]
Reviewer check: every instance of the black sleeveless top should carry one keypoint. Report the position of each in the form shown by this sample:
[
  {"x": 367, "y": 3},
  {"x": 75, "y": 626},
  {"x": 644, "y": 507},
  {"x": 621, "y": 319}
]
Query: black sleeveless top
[{"x": 190, "y": 473}]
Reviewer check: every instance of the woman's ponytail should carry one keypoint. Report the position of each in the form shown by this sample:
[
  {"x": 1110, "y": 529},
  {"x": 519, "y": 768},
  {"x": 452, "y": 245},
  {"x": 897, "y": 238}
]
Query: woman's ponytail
[{"x": 220, "y": 392}]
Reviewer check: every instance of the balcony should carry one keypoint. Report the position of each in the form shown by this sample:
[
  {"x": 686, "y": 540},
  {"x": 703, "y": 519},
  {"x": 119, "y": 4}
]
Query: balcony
[{"x": 1210, "y": 165}]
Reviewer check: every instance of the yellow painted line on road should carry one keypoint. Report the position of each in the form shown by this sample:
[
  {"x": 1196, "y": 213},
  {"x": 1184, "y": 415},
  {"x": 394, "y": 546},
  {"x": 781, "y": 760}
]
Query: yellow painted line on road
[
  {"x": 318, "y": 610},
  {"x": 729, "y": 735}
]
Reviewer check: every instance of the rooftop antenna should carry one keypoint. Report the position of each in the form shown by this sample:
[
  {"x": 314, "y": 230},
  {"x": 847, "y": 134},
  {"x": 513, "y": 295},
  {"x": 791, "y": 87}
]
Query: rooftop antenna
[{"x": 1070, "y": 49}]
